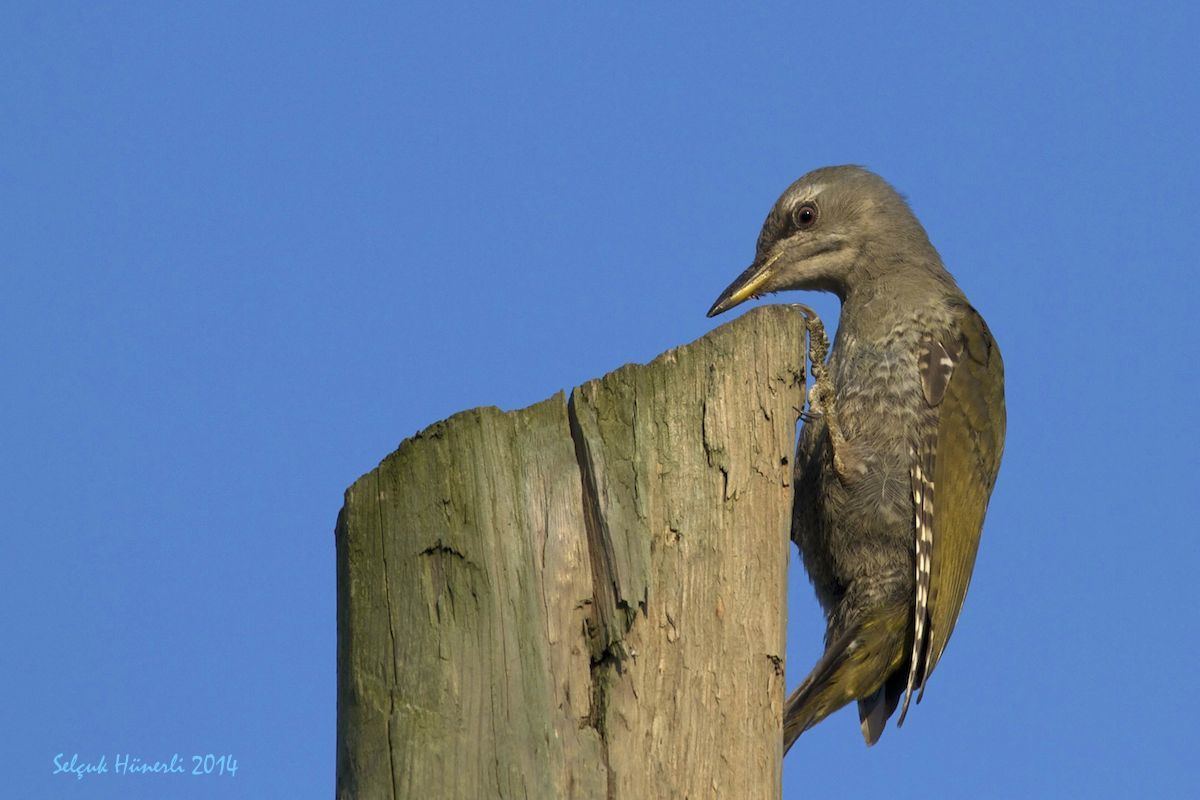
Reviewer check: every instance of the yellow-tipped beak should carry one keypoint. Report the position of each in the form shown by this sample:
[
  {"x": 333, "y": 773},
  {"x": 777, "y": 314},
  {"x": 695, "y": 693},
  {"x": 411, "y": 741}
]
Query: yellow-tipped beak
[{"x": 746, "y": 286}]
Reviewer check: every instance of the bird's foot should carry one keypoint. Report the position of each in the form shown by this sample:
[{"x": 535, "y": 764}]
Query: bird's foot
[{"x": 821, "y": 403}]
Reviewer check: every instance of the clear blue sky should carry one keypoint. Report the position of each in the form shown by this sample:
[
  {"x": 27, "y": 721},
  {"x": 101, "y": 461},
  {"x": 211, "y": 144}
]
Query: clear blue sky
[{"x": 246, "y": 251}]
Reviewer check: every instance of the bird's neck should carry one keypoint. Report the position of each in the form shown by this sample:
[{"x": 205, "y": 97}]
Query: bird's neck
[{"x": 883, "y": 293}]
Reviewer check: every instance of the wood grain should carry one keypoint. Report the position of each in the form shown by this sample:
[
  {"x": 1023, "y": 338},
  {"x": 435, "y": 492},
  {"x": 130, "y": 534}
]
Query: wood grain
[{"x": 585, "y": 598}]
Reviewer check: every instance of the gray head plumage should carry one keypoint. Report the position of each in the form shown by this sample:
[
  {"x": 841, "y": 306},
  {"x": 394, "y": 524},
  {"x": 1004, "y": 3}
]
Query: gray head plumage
[{"x": 831, "y": 229}]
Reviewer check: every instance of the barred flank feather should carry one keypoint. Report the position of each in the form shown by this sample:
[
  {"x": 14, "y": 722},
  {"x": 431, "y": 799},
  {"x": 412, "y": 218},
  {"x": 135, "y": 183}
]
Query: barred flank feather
[
  {"x": 923, "y": 493},
  {"x": 936, "y": 365}
]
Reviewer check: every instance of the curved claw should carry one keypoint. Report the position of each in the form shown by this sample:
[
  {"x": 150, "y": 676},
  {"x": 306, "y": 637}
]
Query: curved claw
[{"x": 809, "y": 314}]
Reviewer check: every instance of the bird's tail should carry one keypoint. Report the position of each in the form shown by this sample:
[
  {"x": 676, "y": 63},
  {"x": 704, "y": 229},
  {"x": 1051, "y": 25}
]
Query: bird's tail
[{"x": 860, "y": 664}]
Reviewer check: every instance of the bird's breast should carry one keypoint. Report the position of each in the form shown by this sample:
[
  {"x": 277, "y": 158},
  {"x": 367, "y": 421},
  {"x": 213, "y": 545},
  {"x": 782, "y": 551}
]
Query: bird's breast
[
  {"x": 877, "y": 390},
  {"x": 878, "y": 401}
]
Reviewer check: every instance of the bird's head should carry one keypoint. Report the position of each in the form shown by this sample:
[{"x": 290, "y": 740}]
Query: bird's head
[{"x": 821, "y": 233}]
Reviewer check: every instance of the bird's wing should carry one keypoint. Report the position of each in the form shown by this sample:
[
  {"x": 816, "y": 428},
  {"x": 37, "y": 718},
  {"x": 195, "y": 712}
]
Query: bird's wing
[{"x": 954, "y": 470}]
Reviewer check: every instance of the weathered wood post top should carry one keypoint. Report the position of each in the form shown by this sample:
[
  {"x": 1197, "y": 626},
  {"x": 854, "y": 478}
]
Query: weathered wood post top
[{"x": 585, "y": 598}]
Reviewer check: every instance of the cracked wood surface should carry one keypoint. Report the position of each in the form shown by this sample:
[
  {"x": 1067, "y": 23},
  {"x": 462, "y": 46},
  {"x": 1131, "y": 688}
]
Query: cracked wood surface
[{"x": 585, "y": 598}]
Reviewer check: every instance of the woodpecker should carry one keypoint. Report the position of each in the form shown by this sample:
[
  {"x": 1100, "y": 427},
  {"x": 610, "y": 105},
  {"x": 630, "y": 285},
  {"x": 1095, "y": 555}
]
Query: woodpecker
[{"x": 896, "y": 462}]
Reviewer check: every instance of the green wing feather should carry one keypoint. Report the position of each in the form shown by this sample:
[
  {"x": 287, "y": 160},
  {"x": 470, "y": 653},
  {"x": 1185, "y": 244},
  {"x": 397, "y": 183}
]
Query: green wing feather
[{"x": 970, "y": 442}]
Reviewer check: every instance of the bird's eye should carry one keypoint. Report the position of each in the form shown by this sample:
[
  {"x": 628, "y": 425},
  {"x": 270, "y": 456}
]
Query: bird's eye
[{"x": 804, "y": 216}]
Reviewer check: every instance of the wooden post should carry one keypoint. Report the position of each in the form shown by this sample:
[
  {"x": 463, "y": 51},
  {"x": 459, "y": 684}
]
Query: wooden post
[{"x": 585, "y": 598}]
